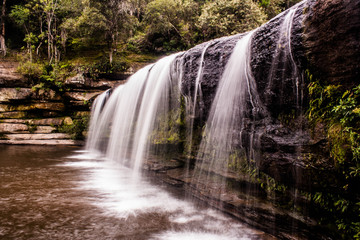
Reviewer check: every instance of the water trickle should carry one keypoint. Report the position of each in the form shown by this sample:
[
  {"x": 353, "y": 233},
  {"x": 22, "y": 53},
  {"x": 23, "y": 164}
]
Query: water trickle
[
  {"x": 198, "y": 92},
  {"x": 283, "y": 61}
]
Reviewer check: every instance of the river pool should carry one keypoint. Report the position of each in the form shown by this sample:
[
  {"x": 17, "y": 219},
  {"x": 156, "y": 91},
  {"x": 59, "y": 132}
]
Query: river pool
[{"x": 62, "y": 193}]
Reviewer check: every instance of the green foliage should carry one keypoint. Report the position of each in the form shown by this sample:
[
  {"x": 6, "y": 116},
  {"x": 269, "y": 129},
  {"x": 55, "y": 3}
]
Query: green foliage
[
  {"x": 20, "y": 14},
  {"x": 338, "y": 212},
  {"x": 167, "y": 131},
  {"x": 30, "y": 69},
  {"x": 103, "y": 66},
  {"x": 226, "y": 17},
  {"x": 31, "y": 127},
  {"x": 61, "y": 29},
  {"x": 45, "y": 76},
  {"x": 168, "y": 25},
  {"x": 339, "y": 109},
  {"x": 85, "y": 27}
]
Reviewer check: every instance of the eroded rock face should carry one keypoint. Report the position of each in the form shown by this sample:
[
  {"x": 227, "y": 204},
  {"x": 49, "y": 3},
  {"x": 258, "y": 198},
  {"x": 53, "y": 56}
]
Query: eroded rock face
[
  {"x": 27, "y": 109},
  {"x": 13, "y": 94},
  {"x": 331, "y": 40},
  {"x": 324, "y": 36},
  {"x": 216, "y": 55}
]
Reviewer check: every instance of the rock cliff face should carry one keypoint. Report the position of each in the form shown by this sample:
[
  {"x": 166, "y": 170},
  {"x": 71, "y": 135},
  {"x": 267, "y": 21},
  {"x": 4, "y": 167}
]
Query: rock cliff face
[
  {"x": 324, "y": 37},
  {"x": 38, "y": 116},
  {"x": 321, "y": 36}
]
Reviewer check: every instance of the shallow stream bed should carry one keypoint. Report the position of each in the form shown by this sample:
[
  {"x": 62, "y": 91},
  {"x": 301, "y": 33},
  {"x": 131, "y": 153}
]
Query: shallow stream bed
[{"x": 59, "y": 193}]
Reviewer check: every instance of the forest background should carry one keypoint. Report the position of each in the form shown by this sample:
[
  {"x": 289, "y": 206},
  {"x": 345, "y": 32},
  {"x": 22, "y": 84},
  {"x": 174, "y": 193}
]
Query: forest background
[{"x": 53, "y": 39}]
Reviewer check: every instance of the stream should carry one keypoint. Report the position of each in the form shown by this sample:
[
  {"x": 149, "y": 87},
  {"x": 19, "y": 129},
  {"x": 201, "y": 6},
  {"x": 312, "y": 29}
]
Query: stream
[{"x": 62, "y": 193}]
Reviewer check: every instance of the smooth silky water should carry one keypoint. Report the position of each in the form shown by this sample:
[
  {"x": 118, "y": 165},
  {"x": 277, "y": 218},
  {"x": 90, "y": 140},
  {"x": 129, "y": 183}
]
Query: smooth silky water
[{"x": 58, "y": 193}]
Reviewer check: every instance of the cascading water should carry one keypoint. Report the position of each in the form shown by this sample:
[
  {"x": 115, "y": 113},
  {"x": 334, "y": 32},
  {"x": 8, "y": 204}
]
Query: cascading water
[
  {"x": 112, "y": 136},
  {"x": 154, "y": 109},
  {"x": 131, "y": 115},
  {"x": 155, "y": 104},
  {"x": 235, "y": 104},
  {"x": 97, "y": 108},
  {"x": 198, "y": 91}
]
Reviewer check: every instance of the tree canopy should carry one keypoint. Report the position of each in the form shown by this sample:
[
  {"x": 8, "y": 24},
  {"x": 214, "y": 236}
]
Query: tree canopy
[{"x": 58, "y": 29}]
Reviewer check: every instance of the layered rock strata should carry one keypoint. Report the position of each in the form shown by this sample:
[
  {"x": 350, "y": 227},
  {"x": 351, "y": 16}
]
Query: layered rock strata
[{"x": 29, "y": 115}]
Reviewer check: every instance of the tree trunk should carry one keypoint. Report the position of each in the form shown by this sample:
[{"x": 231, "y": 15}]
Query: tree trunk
[
  {"x": 48, "y": 19},
  {"x": 111, "y": 56},
  {"x": 2, "y": 34}
]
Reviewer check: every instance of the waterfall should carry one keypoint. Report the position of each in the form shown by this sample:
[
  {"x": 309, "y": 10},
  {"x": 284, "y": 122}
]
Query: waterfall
[
  {"x": 155, "y": 103},
  {"x": 121, "y": 129},
  {"x": 236, "y": 102},
  {"x": 147, "y": 111},
  {"x": 222, "y": 120},
  {"x": 96, "y": 110}
]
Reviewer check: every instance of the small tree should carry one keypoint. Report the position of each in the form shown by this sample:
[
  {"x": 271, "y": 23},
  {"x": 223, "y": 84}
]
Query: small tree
[
  {"x": 49, "y": 8},
  {"x": 169, "y": 24},
  {"x": 227, "y": 17}
]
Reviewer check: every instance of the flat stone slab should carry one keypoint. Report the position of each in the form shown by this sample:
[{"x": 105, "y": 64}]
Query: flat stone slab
[
  {"x": 43, "y": 142},
  {"x": 8, "y": 94},
  {"x": 52, "y": 106},
  {"x": 41, "y": 122},
  {"x": 82, "y": 96},
  {"x": 13, "y": 127},
  {"x": 47, "y": 121},
  {"x": 37, "y": 136},
  {"x": 44, "y": 129},
  {"x": 15, "y": 115}
]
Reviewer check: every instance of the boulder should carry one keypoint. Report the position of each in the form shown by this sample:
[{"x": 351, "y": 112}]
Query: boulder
[
  {"x": 10, "y": 94},
  {"x": 82, "y": 96}
]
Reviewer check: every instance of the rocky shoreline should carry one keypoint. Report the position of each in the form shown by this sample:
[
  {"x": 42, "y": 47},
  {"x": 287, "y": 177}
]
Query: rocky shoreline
[{"x": 30, "y": 115}]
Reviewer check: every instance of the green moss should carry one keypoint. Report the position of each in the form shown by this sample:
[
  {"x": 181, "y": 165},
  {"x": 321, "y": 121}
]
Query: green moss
[
  {"x": 31, "y": 127},
  {"x": 76, "y": 129}
]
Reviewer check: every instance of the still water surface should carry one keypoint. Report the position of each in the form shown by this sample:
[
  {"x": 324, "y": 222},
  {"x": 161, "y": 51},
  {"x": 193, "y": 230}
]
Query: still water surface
[{"x": 57, "y": 193}]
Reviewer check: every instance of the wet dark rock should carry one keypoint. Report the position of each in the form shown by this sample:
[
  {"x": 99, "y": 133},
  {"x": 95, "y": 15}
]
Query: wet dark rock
[
  {"x": 217, "y": 53},
  {"x": 324, "y": 37},
  {"x": 331, "y": 40}
]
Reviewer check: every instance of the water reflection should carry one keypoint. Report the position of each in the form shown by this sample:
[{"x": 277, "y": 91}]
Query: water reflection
[{"x": 45, "y": 195}]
